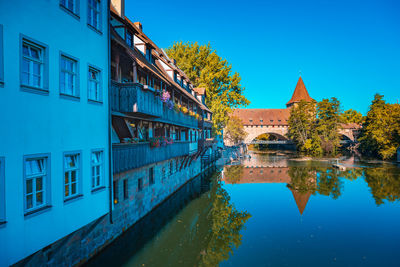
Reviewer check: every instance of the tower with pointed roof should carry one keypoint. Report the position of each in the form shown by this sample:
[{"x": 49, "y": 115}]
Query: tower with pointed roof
[{"x": 300, "y": 93}]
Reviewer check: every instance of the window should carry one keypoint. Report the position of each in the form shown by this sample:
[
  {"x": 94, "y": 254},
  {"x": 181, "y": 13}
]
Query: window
[
  {"x": 148, "y": 54},
  {"x": 32, "y": 65},
  {"x": 126, "y": 194},
  {"x": 140, "y": 184},
  {"x": 68, "y": 76},
  {"x": 36, "y": 182},
  {"x": 70, "y": 5},
  {"x": 94, "y": 13},
  {"x": 94, "y": 85},
  {"x": 115, "y": 192},
  {"x": 97, "y": 169},
  {"x": 261, "y": 120},
  {"x": 71, "y": 175},
  {"x": 129, "y": 39},
  {"x": 250, "y": 120},
  {"x": 151, "y": 176},
  {"x": 171, "y": 167},
  {"x": 2, "y": 192},
  {"x": 163, "y": 172},
  {"x": 1, "y": 56}
]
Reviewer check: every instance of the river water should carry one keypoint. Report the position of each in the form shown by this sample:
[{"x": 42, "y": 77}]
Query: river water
[{"x": 272, "y": 210}]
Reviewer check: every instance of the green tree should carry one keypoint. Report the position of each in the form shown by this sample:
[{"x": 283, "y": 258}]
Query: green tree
[
  {"x": 301, "y": 126},
  {"x": 352, "y": 116},
  {"x": 233, "y": 174},
  {"x": 206, "y": 69},
  {"x": 380, "y": 135},
  {"x": 328, "y": 124},
  {"x": 234, "y": 130}
]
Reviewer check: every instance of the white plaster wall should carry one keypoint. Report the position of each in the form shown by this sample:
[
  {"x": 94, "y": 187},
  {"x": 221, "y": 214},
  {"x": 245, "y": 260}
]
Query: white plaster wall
[{"x": 32, "y": 123}]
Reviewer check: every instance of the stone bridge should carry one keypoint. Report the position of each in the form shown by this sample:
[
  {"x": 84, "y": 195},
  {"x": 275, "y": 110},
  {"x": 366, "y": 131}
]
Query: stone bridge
[{"x": 349, "y": 132}]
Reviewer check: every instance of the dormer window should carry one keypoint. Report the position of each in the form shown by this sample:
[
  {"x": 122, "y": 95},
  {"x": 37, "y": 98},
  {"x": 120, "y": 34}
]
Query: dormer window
[
  {"x": 148, "y": 54},
  {"x": 271, "y": 120},
  {"x": 129, "y": 39},
  {"x": 261, "y": 120},
  {"x": 250, "y": 120}
]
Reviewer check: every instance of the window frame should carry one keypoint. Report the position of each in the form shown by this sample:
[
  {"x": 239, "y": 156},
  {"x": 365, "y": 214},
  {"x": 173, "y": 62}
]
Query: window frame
[
  {"x": 102, "y": 171},
  {"x": 44, "y": 89},
  {"x": 75, "y": 96},
  {"x": 125, "y": 188},
  {"x": 74, "y": 13},
  {"x": 78, "y": 173},
  {"x": 99, "y": 83},
  {"x": 1, "y": 57},
  {"x": 140, "y": 184},
  {"x": 2, "y": 191},
  {"x": 100, "y": 12},
  {"x": 151, "y": 176},
  {"x": 46, "y": 184}
]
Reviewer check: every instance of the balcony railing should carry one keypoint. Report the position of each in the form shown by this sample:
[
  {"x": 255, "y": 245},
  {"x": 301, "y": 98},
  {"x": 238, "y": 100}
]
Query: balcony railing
[
  {"x": 174, "y": 117},
  {"x": 131, "y": 156},
  {"x": 193, "y": 146},
  {"x": 131, "y": 97},
  {"x": 205, "y": 123}
]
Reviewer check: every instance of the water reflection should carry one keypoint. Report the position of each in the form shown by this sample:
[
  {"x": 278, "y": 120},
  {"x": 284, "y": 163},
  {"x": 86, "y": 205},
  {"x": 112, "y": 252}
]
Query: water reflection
[
  {"x": 197, "y": 226},
  {"x": 306, "y": 178}
]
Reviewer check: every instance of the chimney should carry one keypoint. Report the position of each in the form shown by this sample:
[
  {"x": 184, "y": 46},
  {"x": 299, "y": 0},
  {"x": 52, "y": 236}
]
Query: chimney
[
  {"x": 139, "y": 25},
  {"x": 119, "y": 5}
]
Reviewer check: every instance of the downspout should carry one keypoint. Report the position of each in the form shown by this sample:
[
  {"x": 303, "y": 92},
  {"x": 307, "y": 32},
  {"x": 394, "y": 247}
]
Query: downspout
[{"x": 110, "y": 165}]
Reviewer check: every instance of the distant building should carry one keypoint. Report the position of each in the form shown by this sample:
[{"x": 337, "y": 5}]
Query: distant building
[
  {"x": 54, "y": 109},
  {"x": 274, "y": 122}
]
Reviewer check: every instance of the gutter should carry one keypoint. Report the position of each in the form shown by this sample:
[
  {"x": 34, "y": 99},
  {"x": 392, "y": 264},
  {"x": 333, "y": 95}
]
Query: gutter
[{"x": 110, "y": 165}]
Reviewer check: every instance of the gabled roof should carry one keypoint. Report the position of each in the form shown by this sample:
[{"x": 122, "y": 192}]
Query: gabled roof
[
  {"x": 301, "y": 199},
  {"x": 300, "y": 93},
  {"x": 263, "y": 116}
]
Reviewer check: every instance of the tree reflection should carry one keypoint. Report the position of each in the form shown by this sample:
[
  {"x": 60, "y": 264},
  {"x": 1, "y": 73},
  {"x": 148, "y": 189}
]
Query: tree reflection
[
  {"x": 384, "y": 184},
  {"x": 226, "y": 222},
  {"x": 233, "y": 174}
]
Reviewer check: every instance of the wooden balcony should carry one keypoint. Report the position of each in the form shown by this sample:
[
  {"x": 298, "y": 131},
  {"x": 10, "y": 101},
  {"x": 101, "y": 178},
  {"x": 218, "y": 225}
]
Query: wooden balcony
[
  {"x": 132, "y": 156},
  {"x": 132, "y": 98},
  {"x": 174, "y": 117},
  {"x": 205, "y": 123}
]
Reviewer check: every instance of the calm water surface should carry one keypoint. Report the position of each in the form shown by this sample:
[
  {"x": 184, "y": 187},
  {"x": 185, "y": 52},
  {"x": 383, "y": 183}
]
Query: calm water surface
[{"x": 273, "y": 210}]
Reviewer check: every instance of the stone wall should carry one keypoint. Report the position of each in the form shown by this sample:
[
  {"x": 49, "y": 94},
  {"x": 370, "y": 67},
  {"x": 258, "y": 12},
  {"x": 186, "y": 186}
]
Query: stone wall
[{"x": 129, "y": 208}]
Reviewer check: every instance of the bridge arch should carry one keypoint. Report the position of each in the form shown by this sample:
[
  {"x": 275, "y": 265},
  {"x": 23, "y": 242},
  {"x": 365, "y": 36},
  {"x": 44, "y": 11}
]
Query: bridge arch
[{"x": 254, "y": 132}]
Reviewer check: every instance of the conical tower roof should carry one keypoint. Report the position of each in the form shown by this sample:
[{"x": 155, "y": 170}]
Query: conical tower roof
[
  {"x": 300, "y": 93},
  {"x": 301, "y": 199}
]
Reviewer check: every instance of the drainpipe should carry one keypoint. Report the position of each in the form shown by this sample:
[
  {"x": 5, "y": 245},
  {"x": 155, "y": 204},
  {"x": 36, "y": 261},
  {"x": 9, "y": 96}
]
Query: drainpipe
[{"x": 110, "y": 169}]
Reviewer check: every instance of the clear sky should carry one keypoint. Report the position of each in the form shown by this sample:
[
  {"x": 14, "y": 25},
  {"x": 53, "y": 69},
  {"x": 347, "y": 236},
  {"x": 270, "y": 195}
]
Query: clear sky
[{"x": 344, "y": 48}]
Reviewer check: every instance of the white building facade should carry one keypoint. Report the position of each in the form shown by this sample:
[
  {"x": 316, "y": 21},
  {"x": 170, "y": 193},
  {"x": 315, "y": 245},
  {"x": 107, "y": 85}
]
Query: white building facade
[{"x": 54, "y": 126}]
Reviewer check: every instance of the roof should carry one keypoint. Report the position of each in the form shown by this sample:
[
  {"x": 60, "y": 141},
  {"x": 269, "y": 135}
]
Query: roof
[
  {"x": 300, "y": 93},
  {"x": 260, "y": 175},
  {"x": 263, "y": 116},
  {"x": 350, "y": 125},
  {"x": 200, "y": 91},
  {"x": 301, "y": 199}
]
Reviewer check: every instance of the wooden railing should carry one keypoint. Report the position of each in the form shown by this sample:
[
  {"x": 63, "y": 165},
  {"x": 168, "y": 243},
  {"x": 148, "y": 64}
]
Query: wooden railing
[
  {"x": 174, "y": 117},
  {"x": 206, "y": 142},
  {"x": 131, "y": 97},
  {"x": 205, "y": 123},
  {"x": 131, "y": 156}
]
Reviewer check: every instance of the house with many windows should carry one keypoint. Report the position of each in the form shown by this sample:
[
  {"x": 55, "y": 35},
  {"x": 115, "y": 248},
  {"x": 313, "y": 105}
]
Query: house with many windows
[
  {"x": 100, "y": 127},
  {"x": 54, "y": 128}
]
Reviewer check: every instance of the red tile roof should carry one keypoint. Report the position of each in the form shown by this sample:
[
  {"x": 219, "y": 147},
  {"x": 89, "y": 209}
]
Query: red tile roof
[
  {"x": 300, "y": 93},
  {"x": 263, "y": 116}
]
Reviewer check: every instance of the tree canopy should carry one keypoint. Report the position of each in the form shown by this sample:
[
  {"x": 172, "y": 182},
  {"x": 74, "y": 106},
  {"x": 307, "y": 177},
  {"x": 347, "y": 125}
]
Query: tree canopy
[
  {"x": 351, "y": 116},
  {"x": 314, "y": 126},
  {"x": 234, "y": 130},
  {"x": 206, "y": 69},
  {"x": 380, "y": 135}
]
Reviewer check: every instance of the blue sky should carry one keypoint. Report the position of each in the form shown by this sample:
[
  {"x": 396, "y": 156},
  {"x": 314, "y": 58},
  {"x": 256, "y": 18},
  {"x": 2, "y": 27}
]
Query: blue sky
[{"x": 347, "y": 49}]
